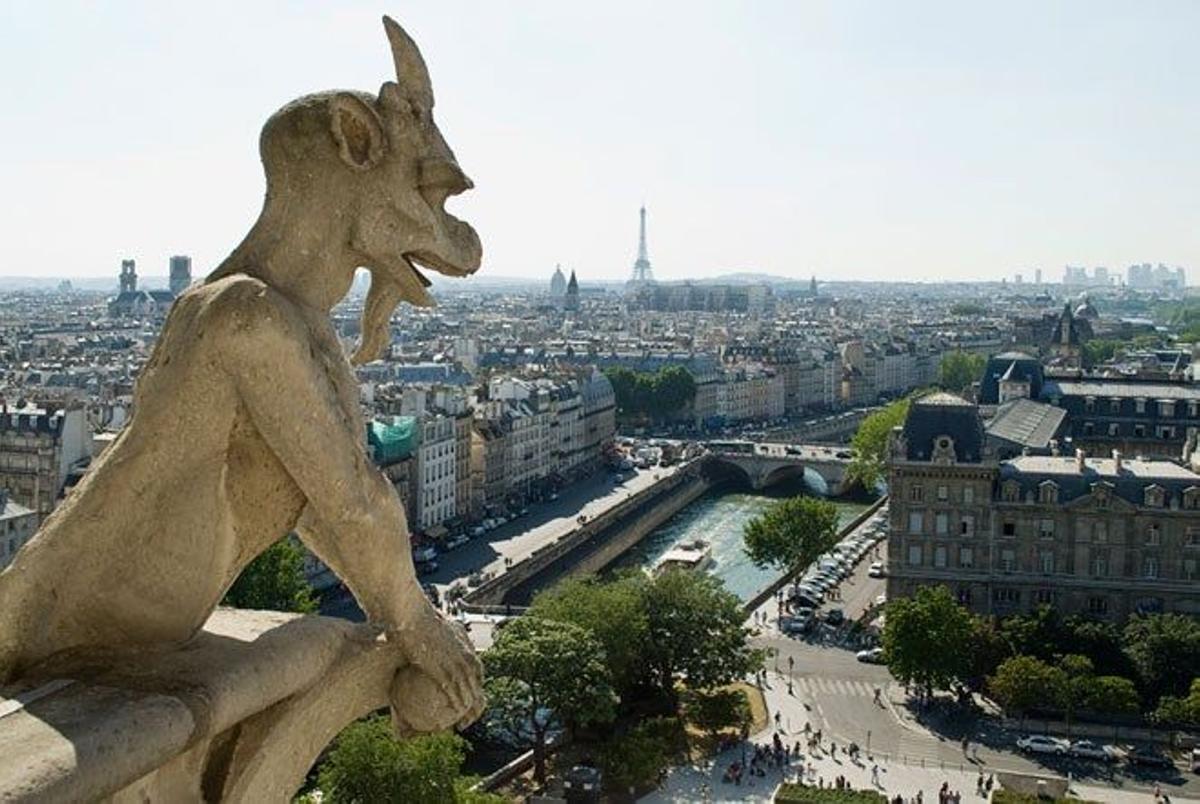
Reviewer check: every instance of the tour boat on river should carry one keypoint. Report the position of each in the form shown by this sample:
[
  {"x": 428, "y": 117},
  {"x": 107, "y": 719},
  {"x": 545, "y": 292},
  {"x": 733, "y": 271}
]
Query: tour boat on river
[{"x": 691, "y": 556}]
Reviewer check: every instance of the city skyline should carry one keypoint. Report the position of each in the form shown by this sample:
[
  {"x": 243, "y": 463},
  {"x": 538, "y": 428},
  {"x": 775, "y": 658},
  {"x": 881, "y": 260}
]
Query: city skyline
[{"x": 844, "y": 141}]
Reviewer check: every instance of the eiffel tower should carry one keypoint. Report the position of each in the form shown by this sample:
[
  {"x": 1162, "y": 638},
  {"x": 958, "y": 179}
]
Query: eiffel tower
[{"x": 643, "y": 274}]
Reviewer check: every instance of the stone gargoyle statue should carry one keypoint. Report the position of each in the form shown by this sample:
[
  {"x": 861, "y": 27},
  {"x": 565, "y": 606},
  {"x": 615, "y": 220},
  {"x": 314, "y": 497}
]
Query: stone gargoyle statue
[{"x": 246, "y": 418}]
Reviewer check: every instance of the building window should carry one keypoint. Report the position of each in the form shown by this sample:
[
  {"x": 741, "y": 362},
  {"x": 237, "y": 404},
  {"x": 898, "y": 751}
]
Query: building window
[
  {"x": 1097, "y": 605},
  {"x": 1189, "y": 570},
  {"x": 1008, "y": 560},
  {"x": 1191, "y": 498},
  {"x": 1100, "y": 532},
  {"x": 1089, "y": 428},
  {"x": 916, "y": 522},
  {"x": 914, "y": 555},
  {"x": 916, "y": 493},
  {"x": 1012, "y": 491},
  {"x": 967, "y": 525},
  {"x": 1048, "y": 492},
  {"x": 1046, "y": 529},
  {"x": 966, "y": 557},
  {"x": 1139, "y": 431},
  {"x": 1193, "y": 537},
  {"x": 964, "y": 596},
  {"x": 1100, "y": 564},
  {"x": 943, "y": 493},
  {"x": 939, "y": 556},
  {"x": 1043, "y": 597},
  {"x": 1153, "y": 535},
  {"x": 943, "y": 524},
  {"x": 1114, "y": 430},
  {"x": 1047, "y": 562},
  {"x": 1166, "y": 408},
  {"x": 1139, "y": 405},
  {"x": 1009, "y": 528},
  {"x": 1006, "y": 595},
  {"x": 1114, "y": 405},
  {"x": 1150, "y": 566},
  {"x": 968, "y": 495},
  {"x": 1089, "y": 404}
]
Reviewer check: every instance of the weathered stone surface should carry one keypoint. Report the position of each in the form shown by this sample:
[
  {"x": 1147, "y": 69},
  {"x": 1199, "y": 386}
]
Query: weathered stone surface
[{"x": 247, "y": 426}]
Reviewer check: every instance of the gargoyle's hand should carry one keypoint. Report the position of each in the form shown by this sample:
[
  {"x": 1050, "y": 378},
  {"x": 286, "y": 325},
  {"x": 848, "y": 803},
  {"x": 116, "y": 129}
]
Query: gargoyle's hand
[{"x": 442, "y": 687}]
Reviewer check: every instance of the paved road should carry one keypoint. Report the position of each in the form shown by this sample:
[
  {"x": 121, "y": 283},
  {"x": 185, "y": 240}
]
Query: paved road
[
  {"x": 835, "y": 693},
  {"x": 544, "y": 523}
]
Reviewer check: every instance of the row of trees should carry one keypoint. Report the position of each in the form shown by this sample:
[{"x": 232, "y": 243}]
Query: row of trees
[
  {"x": 645, "y": 396},
  {"x": 1042, "y": 661},
  {"x": 868, "y": 448},
  {"x": 589, "y": 651}
]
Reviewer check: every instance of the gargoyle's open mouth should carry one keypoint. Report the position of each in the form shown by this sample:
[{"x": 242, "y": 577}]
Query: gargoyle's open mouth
[{"x": 432, "y": 262}]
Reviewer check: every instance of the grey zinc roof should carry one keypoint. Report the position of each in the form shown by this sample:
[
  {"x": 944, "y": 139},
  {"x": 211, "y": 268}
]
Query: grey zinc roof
[
  {"x": 943, "y": 414},
  {"x": 1097, "y": 468},
  {"x": 1026, "y": 422},
  {"x": 1107, "y": 388}
]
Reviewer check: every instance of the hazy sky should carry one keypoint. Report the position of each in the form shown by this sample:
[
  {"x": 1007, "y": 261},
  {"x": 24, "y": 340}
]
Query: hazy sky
[{"x": 862, "y": 140}]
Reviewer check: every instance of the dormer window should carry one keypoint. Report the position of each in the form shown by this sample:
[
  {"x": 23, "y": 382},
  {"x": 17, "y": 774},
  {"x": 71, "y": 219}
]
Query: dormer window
[
  {"x": 1191, "y": 498},
  {"x": 1166, "y": 407},
  {"x": 1011, "y": 491},
  {"x": 1048, "y": 492},
  {"x": 1154, "y": 496}
]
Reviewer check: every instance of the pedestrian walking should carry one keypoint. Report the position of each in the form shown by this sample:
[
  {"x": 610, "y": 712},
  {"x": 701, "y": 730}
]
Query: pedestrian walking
[{"x": 874, "y": 774}]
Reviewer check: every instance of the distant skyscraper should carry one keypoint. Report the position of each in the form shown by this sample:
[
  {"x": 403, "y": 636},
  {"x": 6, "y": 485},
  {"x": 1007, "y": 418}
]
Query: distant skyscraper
[
  {"x": 1037, "y": 276},
  {"x": 571, "y": 302},
  {"x": 558, "y": 283},
  {"x": 642, "y": 272},
  {"x": 180, "y": 274},
  {"x": 128, "y": 276},
  {"x": 812, "y": 287}
]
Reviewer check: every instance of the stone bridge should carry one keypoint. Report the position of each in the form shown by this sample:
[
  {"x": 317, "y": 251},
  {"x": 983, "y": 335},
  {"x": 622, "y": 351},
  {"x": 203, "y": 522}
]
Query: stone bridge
[{"x": 822, "y": 467}]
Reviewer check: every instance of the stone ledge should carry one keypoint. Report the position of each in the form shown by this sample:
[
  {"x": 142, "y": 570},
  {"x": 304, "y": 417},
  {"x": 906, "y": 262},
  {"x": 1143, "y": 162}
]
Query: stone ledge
[{"x": 240, "y": 712}]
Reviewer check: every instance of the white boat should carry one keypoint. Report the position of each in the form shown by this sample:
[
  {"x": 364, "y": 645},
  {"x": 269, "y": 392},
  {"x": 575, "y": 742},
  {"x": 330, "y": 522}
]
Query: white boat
[{"x": 690, "y": 556}]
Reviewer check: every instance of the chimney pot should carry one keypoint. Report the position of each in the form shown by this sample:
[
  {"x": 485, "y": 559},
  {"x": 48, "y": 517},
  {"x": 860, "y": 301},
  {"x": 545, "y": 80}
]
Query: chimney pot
[
  {"x": 1080, "y": 460},
  {"x": 1116, "y": 454},
  {"x": 1054, "y": 447}
]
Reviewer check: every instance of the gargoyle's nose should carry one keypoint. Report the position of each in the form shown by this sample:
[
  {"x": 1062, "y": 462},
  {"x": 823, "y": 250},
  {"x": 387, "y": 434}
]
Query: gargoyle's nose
[{"x": 444, "y": 175}]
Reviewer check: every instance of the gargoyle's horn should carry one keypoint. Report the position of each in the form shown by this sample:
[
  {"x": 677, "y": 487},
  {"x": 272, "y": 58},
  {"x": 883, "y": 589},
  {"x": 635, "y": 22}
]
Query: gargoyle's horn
[{"x": 411, "y": 72}]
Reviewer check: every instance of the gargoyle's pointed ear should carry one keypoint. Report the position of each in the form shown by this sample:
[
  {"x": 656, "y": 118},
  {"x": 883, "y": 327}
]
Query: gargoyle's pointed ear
[
  {"x": 357, "y": 130},
  {"x": 411, "y": 72}
]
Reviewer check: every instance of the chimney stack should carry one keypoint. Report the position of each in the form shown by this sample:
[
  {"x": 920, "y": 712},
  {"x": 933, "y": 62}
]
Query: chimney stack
[
  {"x": 1116, "y": 453},
  {"x": 1080, "y": 460},
  {"x": 1054, "y": 447}
]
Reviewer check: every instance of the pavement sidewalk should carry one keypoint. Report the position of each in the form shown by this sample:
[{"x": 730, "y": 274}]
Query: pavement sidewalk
[{"x": 702, "y": 783}]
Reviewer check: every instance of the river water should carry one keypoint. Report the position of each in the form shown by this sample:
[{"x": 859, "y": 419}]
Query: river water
[{"x": 719, "y": 518}]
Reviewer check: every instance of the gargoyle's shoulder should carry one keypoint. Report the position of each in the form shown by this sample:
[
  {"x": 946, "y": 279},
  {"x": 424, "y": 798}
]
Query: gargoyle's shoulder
[{"x": 243, "y": 304}]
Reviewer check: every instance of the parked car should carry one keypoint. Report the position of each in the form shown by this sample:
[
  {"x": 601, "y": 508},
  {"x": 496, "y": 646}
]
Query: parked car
[
  {"x": 1148, "y": 757},
  {"x": 1042, "y": 744},
  {"x": 1196, "y": 760},
  {"x": 797, "y": 624},
  {"x": 806, "y": 600},
  {"x": 870, "y": 656},
  {"x": 457, "y": 541},
  {"x": 1090, "y": 750},
  {"x": 875, "y": 570},
  {"x": 424, "y": 553},
  {"x": 426, "y": 567},
  {"x": 835, "y": 616}
]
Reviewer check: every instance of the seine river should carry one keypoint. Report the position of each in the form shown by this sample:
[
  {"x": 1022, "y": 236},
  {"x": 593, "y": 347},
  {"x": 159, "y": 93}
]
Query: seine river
[{"x": 718, "y": 518}]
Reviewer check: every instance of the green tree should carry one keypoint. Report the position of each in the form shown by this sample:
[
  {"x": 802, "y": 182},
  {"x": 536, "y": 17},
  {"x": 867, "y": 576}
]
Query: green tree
[
  {"x": 651, "y": 396},
  {"x": 1022, "y": 683},
  {"x": 927, "y": 639},
  {"x": 274, "y": 580},
  {"x": 959, "y": 369},
  {"x": 542, "y": 675},
  {"x": 697, "y": 633},
  {"x": 1077, "y": 680},
  {"x": 967, "y": 309},
  {"x": 1177, "y": 709},
  {"x": 792, "y": 533},
  {"x": 674, "y": 388},
  {"x": 613, "y": 612},
  {"x": 715, "y": 711},
  {"x": 1039, "y": 633},
  {"x": 639, "y": 758},
  {"x": 1165, "y": 651},
  {"x": 1112, "y": 695},
  {"x": 868, "y": 462},
  {"x": 367, "y": 765}
]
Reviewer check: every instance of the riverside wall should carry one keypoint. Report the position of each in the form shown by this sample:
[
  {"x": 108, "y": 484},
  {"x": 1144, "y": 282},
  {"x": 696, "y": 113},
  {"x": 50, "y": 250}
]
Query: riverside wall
[{"x": 596, "y": 543}]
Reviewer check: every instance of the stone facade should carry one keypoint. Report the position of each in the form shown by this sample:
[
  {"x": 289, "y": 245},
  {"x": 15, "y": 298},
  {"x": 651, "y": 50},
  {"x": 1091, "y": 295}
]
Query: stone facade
[{"x": 1101, "y": 537}]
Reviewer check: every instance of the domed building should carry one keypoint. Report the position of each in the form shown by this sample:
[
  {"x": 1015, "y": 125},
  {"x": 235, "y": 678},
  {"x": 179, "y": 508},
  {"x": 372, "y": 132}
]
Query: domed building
[{"x": 558, "y": 283}]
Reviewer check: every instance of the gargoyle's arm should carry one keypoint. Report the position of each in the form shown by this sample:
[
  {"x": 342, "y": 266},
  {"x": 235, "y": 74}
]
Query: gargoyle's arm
[{"x": 360, "y": 529}]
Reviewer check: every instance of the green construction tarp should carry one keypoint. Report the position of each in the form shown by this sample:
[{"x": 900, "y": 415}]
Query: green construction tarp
[{"x": 392, "y": 441}]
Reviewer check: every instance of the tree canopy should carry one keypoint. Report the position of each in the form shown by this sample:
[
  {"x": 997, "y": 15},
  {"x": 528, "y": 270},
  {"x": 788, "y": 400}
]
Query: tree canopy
[
  {"x": 652, "y": 396},
  {"x": 792, "y": 533},
  {"x": 542, "y": 675},
  {"x": 958, "y": 370},
  {"x": 613, "y": 612},
  {"x": 928, "y": 638},
  {"x": 274, "y": 580},
  {"x": 967, "y": 309},
  {"x": 868, "y": 464},
  {"x": 697, "y": 633},
  {"x": 1165, "y": 650},
  {"x": 368, "y": 765}
]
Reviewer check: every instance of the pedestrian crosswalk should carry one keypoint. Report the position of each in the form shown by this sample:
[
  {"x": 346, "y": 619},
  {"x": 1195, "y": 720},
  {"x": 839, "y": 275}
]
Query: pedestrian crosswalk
[{"x": 815, "y": 685}]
